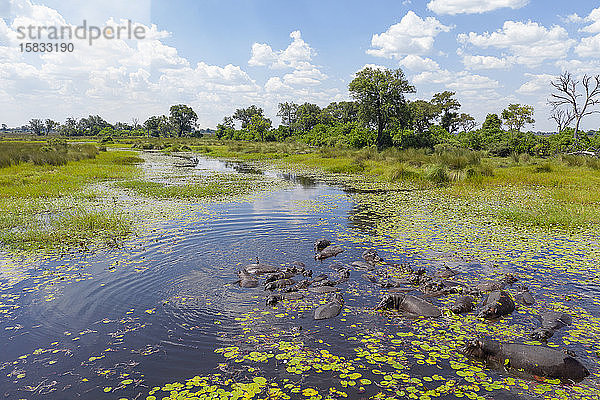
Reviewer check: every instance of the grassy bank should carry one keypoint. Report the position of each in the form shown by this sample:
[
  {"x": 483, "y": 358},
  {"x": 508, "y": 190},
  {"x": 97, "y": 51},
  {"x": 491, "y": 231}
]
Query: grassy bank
[
  {"x": 42, "y": 206},
  {"x": 559, "y": 192}
]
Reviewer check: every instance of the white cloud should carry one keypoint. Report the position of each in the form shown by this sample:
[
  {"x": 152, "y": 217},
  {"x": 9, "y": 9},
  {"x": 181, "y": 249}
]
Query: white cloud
[
  {"x": 530, "y": 43},
  {"x": 453, "y": 7},
  {"x": 594, "y": 18},
  {"x": 304, "y": 77},
  {"x": 297, "y": 55},
  {"x": 457, "y": 81},
  {"x": 578, "y": 67},
  {"x": 412, "y": 35},
  {"x": 537, "y": 84},
  {"x": 486, "y": 62},
  {"x": 572, "y": 18},
  {"x": 415, "y": 62},
  {"x": 589, "y": 47}
]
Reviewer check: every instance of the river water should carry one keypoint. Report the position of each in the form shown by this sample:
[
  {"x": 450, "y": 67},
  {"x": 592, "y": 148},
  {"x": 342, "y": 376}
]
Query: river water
[{"x": 164, "y": 308}]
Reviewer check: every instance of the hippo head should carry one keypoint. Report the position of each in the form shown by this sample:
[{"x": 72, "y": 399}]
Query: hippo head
[
  {"x": 481, "y": 348},
  {"x": 510, "y": 278},
  {"x": 386, "y": 302}
]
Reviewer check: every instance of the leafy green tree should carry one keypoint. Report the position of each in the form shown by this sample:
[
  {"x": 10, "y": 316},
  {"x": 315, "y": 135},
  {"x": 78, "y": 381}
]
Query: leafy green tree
[
  {"x": 380, "y": 96},
  {"x": 446, "y": 105},
  {"x": 339, "y": 113},
  {"x": 182, "y": 118},
  {"x": 37, "y": 126},
  {"x": 287, "y": 112},
  {"x": 226, "y": 129},
  {"x": 517, "y": 115},
  {"x": 244, "y": 115},
  {"x": 466, "y": 122},
  {"x": 259, "y": 126},
  {"x": 307, "y": 116},
  {"x": 69, "y": 128},
  {"x": 50, "y": 125},
  {"x": 423, "y": 113}
]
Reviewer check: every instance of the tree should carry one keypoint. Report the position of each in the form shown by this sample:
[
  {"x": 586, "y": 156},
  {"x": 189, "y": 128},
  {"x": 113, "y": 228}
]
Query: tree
[
  {"x": 50, "y": 126},
  {"x": 307, "y": 116},
  {"x": 342, "y": 112},
  {"x": 225, "y": 129},
  {"x": 446, "y": 106},
  {"x": 423, "y": 114},
  {"x": 516, "y": 116},
  {"x": 258, "y": 126},
  {"x": 380, "y": 96},
  {"x": 152, "y": 125},
  {"x": 287, "y": 112},
  {"x": 466, "y": 122},
  {"x": 567, "y": 95},
  {"x": 182, "y": 118},
  {"x": 244, "y": 115},
  {"x": 37, "y": 126},
  {"x": 563, "y": 118},
  {"x": 69, "y": 128},
  {"x": 4, "y": 127}
]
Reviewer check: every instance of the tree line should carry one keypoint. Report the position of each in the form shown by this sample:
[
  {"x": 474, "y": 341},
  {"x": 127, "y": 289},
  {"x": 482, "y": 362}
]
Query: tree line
[
  {"x": 181, "y": 121},
  {"x": 381, "y": 115}
]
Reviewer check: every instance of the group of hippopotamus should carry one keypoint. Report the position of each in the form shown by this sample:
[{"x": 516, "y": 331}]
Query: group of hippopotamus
[{"x": 497, "y": 302}]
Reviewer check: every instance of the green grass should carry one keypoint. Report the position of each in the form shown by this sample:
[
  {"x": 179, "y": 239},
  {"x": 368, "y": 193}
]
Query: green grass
[
  {"x": 34, "y": 210},
  {"x": 53, "y": 152}
]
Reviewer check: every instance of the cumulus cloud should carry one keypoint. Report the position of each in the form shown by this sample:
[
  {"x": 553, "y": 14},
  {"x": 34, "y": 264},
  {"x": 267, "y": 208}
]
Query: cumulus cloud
[
  {"x": 412, "y": 35},
  {"x": 297, "y": 55},
  {"x": 594, "y": 18},
  {"x": 453, "y": 7},
  {"x": 530, "y": 43},
  {"x": 537, "y": 84},
  {"x": 414, "y": 62},
  {"x": 589, "y": 46},
  {"x": 475, "y": 62}
]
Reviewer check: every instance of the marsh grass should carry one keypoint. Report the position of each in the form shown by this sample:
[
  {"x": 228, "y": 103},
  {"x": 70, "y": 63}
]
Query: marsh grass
[
  {"x": 31, "y": 218},
  {"x": 53, "y": 152}
]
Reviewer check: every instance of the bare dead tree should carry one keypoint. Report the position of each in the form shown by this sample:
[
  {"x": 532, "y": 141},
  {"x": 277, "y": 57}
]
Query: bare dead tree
[
  {"x": 136, "y": 122},
  {"x": 563, "y": 118},
  {"x": 566, "y": 87}
]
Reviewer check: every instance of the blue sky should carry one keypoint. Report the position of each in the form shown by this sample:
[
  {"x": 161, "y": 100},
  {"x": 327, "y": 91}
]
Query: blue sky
[{"x": 219, "y": 55}]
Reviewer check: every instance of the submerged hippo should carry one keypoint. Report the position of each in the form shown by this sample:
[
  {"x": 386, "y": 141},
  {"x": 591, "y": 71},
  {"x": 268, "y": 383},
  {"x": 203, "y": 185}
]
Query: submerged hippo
[
  {"x": 331, "y": 309},
  {"x": 551, "y": 322},
  {"x": 279, "y": 284},
  {"x": 273, "y": 299},
  {"x": 497, "y": 304},
  {"x": 463, "y": 304},
  {"x": 323, "y": 289},
  {"x": 280, "y": 275},
  {"x": 499, "y": 284},
  {"x": 247, "y": 280},
  {"x": 320, "y": 244},
  {"x": 446, "y": 272},
  {"x": 260, "y": 268},
  {"x": 329, "y": 251},
  {"x": 371, "y": 256},
  {"x": 535, "y": 360},
  {"x": 524, "y": 297},
  {"x": 362, "y": 265},
  {"x": 408, "y": 304}
]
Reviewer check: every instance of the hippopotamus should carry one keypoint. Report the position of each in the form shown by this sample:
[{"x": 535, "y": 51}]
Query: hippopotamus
[
  {"x": 303, "y": 284},
  {"x": 447, "y": 272},
  {"x": 323, "y": 289},
  {"x": 524, "y": 297},
  {"x": 463, "y": 304},
  {"x": 329, "y": 251},
  {"x": 260, "y": 268},
  {"x": 535, "y": 360},
  {"x": 551, "y": 321},
  {"x": 499, "y": 284},
  {"x": 273, "y": 299},
  {"x": 279, "y": 275},
  {"x": 363, "y": 266},
  {"x": 409, "y": 304},
  {"x": 332, "y": 308},
  {"x": 371, "y": 256},
  {"x": 293, "y": 296},
  {"x": 279, "y": 284},
  {"x": 246, "y": 280},
  {"x": 325, "y": 282},
  {"x": 497, "y": 304},
  {"x": 320, "y": 244}
]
